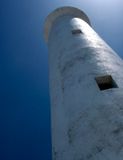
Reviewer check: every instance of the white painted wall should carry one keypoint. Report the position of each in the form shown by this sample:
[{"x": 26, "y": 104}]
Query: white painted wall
[{"x": 87, "y": 124}]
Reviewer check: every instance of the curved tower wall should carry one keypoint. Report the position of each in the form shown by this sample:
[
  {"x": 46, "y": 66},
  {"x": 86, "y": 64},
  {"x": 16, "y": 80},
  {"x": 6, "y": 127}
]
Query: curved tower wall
[{"x": 87, "y": 121}]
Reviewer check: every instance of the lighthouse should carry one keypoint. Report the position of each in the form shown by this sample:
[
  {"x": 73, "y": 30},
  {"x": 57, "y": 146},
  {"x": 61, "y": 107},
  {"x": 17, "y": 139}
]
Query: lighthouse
[{"x": 86, "y": 89}]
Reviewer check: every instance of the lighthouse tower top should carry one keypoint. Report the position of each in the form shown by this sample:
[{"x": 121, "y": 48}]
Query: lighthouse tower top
[{"x": 59, "y": 12}]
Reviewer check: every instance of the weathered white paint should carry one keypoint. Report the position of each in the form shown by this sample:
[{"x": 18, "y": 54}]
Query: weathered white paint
[{"x": 87, "y": 124}]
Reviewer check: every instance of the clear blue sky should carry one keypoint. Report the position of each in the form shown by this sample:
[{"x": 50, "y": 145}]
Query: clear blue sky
[{"x": 24, "y": 96}]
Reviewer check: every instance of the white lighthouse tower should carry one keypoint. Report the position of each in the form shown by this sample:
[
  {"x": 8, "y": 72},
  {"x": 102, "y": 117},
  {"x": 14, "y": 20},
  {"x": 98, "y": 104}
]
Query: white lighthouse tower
[{"x": 86, "y": 89}]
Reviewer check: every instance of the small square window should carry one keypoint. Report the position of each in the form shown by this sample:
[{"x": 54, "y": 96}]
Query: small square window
[
  {"x": 76, "y": 31},
  {"x": 106, "y": 82}
]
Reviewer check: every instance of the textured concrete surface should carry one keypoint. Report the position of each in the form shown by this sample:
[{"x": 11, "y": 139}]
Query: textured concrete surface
[{"x": 87, "y": 123}]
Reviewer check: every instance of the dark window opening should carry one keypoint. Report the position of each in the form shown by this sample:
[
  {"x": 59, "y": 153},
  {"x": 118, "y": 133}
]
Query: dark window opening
[
  {"x": 106, "y": 82},
  {"x": 76, "y": 31}
]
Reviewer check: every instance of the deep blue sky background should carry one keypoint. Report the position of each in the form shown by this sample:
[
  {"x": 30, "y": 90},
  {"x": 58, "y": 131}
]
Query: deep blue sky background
[{"x": 24, "y": 96}]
